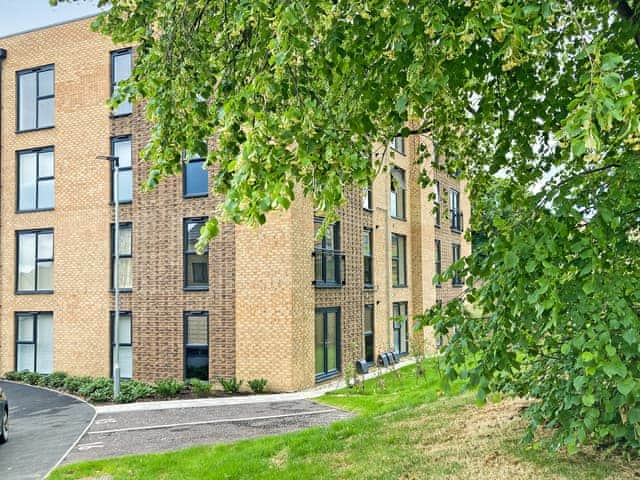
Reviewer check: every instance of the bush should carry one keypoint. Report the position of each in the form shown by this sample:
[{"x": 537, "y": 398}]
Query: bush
[
  {"x": 56, "y": 380},
  {"x": 257, "y": 385},
  {"x": 168, "y": 387},
  {"x": 230, "y": 386},
  {"x": 97, "y": 390},
  {"x": 73, "y": 384},
  {"x": 132, "y": 390},
  {"x": 33, "y": 378},
  {"x": 199, "y": 387},
  {"x": 15, "y": 376}
]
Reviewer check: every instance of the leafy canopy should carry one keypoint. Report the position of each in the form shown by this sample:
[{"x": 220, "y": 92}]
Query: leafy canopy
[{"x": 541, "y": 93}]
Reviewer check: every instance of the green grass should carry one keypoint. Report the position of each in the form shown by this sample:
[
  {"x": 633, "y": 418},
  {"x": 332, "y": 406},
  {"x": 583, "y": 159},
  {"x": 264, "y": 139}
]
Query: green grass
[{"x": 408, "y": 430}]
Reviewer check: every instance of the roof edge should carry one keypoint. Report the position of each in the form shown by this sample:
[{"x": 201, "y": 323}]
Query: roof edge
[{"x": 51, "y": 25}]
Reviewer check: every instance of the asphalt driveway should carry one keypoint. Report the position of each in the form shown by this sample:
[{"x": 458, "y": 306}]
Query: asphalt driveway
[
  {"x": 117, "y": 433},
  {"x": 42, "y": 427}
]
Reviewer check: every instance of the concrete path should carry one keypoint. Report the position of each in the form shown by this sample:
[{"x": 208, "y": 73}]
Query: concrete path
[
  {"x": 115, "y": 434},
  {"x": 43, "y": 425}
]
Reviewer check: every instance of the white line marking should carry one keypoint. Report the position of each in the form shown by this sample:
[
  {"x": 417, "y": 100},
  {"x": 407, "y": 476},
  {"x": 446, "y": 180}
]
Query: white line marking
[
  {"x": 212, "y": 422},
  {"x": 102, "y": 421},
  {"x": 88, "y": 446}
]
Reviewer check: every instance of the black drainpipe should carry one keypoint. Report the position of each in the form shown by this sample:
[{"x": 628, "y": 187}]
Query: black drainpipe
[{"x": 3, "y": 55}]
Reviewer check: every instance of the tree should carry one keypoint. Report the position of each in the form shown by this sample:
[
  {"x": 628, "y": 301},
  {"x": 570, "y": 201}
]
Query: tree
[{"x": 542, "y": 92}]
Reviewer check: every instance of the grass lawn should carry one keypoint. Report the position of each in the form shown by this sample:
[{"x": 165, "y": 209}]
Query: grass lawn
[{"x": 408, "y": 431}]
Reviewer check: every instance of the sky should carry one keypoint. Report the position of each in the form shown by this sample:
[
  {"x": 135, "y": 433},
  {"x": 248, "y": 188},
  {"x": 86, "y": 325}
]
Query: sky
[{"x": 19, "y": 15}]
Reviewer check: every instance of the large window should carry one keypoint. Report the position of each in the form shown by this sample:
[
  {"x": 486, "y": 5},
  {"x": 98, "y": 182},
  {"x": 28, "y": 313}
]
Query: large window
[
  {"x": 398, "y": 260},
  {"x": 35, "y": 180},
  {"x": 456, "y": 213},
  {"x": 436, "y": 201},
  {"x": 125, "y": 345},
  {"x": 196, "y": 266},
  {"x": 367, "y": 250},
  {"x": 120, "y": 70},
  {"x": 35, "y": 98},
  {"x": 367, "y": 197},
  {"x": 400, "y": 328},
  {"x": 195, "y": 178},
  {"x": 121, "y": 148},
  {"x": 125, "y": 254},
  {"x": 196, "y": 345},
  {"x": 398, "y": 194},
  {"x": 327, "y": 256},
  {"x": 35, "y": 261},
  {"x": 34, "y": 342},
  {"x": 369, "y": 349},
  {"x": 398, "y": 144},
  {"x": 327, "y": 342},
  {"x": 437, "y": 261},
  {"x": 457, "y": 279}
]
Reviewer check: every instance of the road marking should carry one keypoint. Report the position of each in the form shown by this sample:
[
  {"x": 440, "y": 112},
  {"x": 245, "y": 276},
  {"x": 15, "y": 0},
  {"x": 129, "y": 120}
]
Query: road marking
[
  {"x": 88, "y": 446},
  {"x": 102, "y": 421},
  {"x": 213, "y": 422}
]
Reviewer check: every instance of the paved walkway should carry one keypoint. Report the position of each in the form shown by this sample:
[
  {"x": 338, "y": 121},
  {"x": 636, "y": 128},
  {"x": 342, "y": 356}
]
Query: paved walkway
[{"x": 43, "y": 425}]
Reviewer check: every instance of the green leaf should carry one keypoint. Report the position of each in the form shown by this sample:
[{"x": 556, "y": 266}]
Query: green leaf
[
  {"x": 588, "y": 400},
  {"x": 626, "y": 386},
  {"x": 610, "y": 61}
]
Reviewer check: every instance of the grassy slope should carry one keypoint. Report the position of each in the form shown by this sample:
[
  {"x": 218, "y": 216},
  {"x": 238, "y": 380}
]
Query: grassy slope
[{"x": 409, "y": 431}]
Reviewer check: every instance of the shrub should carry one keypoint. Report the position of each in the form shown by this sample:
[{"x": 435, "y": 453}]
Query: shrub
[
  {"x": 33, "y": 378},
  {"x": 15, "y": 376},
  {"x": 199, "y": 387},
  {"x": 56, "y": 380},
  {"x": 97, "y": 390},
  {"x": 73, "y": 384},
  {"x": 230, "y": 386},
  {"x": 132, "y": 390},
  {"x": 257, "y": 385},
  {"x": 168, "y": 387}
]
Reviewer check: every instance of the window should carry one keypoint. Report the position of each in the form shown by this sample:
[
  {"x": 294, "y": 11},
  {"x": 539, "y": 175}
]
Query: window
[
  {"x": 368, "y": 333},
  {"x": 436, "y": 201},
  {"x": 456, "y": 214},
  {"x": 438, "y": 262},
  {"x": 195, "y": 178},
  {"x": 367, "y": 250},
  {"x": 327, "y": 342},
  {"x": 398, "y": 260},
  {"x": 327, "y": 256},
  {"x": 457, "y": 280},
  {"x": 125, "y": 251},
  {"x": 35, "y": 98},
  {"x": 35, "y": 261},
  {"x": 121, "y": 148},
  {"x": 400, "y": 328},
  {"x": 125, "y": 348},
  {"x": 398, "y": 144},
  {"x": 196, "y": 266},
  {"x": 35, "y": 180},
  {"x": 367, "y": 197},
  {"x": 120, "y": 70},
  {"x": 196, "y": 345},
  {"x": 398, "y": 193},
  {"x": 34, "y": 342}
]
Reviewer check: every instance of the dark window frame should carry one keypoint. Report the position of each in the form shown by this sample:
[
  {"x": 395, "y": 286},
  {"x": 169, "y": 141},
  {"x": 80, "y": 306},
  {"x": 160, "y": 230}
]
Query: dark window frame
[
  {"x": 456, "y": 252},
  {"x": 400, "y": 284},
  {"x": 436, "y": 202},
  {"x": 370, "y": 333},
  {"x": 113, "y": 255},
  {"x": 336, "y": 253},
  {"x": 43, "y": 68},
  {"x": 185, "y": 179},
  {"x": 112, "y": 320},
  {"x": 112, "y": 56},
  {"x": 114, "y": 140},
  {"x": 367, "y": 198},
  {"x": 327, "y": 374},
  {"x": 37, "y": 151},
  {"x": 38, "y": 232},
  {"x": 437, "y": 260},
  {"x": 455, "y": 211},
  {"x": 397, "y": 327},
  {"x": 400, "y": 192},
  {"x": 187, "y": 346},
  {"x": 186, "y": 253},
  {"x": 368, "y": 259},
  {"x": 398, "y": 144},
  {"x": 34, "y": 317}
]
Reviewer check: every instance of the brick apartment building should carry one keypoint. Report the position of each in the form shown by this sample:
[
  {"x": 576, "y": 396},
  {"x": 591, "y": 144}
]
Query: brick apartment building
[{"x": 270, "y": 302}]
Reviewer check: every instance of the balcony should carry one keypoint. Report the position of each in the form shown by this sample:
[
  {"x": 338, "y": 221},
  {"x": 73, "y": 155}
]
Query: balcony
[{"x": 456, "y": 220}]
